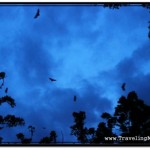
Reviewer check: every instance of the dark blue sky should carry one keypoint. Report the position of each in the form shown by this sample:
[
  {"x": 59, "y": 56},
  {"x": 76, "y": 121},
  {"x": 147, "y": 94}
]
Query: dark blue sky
[{"x": 89, "y": 50}]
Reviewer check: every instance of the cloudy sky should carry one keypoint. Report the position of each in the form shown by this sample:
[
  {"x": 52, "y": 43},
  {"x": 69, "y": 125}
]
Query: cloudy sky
[{"x": 89, "y": 50}]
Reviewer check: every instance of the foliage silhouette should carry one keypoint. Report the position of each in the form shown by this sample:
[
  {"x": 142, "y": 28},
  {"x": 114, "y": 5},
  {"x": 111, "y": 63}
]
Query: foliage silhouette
[
  {"x": 1, "y": 140},
  {"x": 78, "y": 129},
  {"x": 32, "y": 130},
  {"x": 8, "y": 120},
  {"x": 146, "y": 5},
  {"x": 101, "y": 132},
  {"x": 115, "y": 5},
  {"x": 2, "y": 76},
  {"x": 131, "y": 116},
  {"x": 22, "y": 138},
  {"x": 9, "y": 100},
  {"x": 50, "y": 139}
]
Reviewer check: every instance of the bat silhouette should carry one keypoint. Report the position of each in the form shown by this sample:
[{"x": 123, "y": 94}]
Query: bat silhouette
[
  {"x": 75, "y": 98},
  {"x": 51, "y": 79},
  {"x": 123, "y": 86},
  {"x": 37, "y": 14},
  {"x": 6, "y": 90}
]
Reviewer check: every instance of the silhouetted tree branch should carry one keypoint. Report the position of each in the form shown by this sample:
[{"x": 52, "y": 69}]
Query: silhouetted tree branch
[
  {"x": 9, "y": 100},
  {"x": 32, "y": 130},
  {"x": 50, "y": 139},
  {"x": 22, "y": 138},
  {"x": 115, "y": 5},
  {"x": 8, "y": 120},
  {"x": 78, "y": 129},
  {"x": 131, "y": 116}
]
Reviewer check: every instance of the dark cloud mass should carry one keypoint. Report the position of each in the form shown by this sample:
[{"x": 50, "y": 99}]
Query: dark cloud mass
[{"x": 89, "y": 50}]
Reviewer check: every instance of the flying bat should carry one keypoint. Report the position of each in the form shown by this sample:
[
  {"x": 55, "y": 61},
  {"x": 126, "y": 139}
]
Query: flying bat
[
  {"x": 75, "y": 98},
  {"x": 123, "y": 86},
  {"x": 37, "y": 14},
  {"x": 51, "y": 79}
]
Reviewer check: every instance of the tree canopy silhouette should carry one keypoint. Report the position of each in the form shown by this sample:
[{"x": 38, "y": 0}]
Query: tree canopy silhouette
[
  {"x": 22, "y": 139},
  {"x": 131, "y": 118},
  {"x": 9, "y": 120},
  {"x": 115, "y": 5},
  {"x": 50, "y": 139},
  {"x": 78, "y": 129}
]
